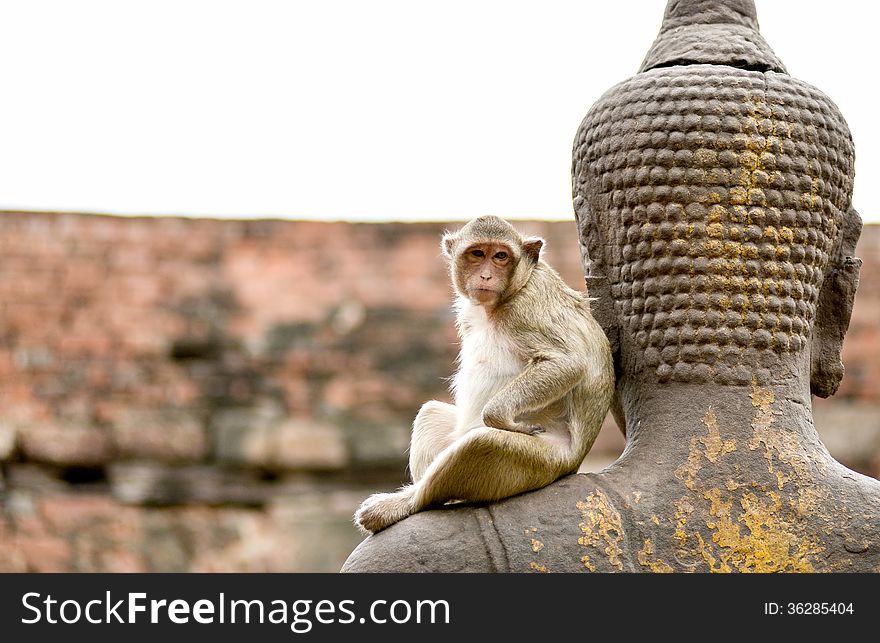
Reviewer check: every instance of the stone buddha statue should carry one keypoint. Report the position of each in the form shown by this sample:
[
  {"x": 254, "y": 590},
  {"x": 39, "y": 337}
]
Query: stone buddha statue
[{"x": 712, "y": 194}]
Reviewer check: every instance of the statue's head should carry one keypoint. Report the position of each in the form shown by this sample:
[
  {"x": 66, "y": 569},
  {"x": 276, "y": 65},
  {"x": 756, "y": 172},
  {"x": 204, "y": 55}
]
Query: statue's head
[{"x": 713, "y": 193}]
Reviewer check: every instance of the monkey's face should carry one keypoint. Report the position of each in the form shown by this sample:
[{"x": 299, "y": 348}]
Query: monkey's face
[{"x": 484, "y": 271}]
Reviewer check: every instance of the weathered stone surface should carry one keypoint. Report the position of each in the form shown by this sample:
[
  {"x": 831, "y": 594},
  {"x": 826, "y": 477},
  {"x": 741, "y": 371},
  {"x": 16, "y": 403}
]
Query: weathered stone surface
[
  {"x": 63, "y": 531},
  {"x": 442, "y": 540},
  {"x": 37, "y": 478},
  {"x": 254, "y": 439},
  {"x": 243, "y": 435},
  {"x": 157, "y": 484},
  {"x": 711, "y": 32},
  {"x": 67, "y": 444},
  {"x": 835, "y": 303},
  {"x": 712, "y": 193},
  {"x": 380, "y": 444},
  {"x": 161, "y": 434},
  {"x": 719, "y": 249},
  {"x": 304, "y": 444},
  {"x": 698, "y": 508}
]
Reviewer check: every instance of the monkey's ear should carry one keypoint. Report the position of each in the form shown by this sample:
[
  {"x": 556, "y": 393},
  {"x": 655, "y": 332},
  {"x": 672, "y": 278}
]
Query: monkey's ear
[
  {"x": 532, "y": 248},
  {"x": 447, "y": 244}
]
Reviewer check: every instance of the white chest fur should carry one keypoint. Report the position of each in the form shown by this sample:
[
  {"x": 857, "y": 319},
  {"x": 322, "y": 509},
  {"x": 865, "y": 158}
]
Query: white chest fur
[{"x": 488, "y": 360}]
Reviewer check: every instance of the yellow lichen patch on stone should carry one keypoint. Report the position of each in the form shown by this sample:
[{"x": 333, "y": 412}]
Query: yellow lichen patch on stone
[
  {"x": 780, "y": 446},
  {"x": 657, "y": 566},
  {"x": 718, "y": 506},
  {"x": 811, "y": 200},
  {"x": 761, "y": 398},
  {"x": 585, "y": 559},
  {"x": 706, "y": 553},
  {"x": 715, "y": 230},
  {"x": 601, "y": 527},
  {"x": 537, "y": 545},
  {"x": 737, "y": 195},
  {"x": 538, "y": 568},
  {"x": 701, "y": 549},
  {"x": 770, "y": 543},
  {"x": 683, "y": 509},
  {"x": 806, "y": 502},
  {"x": 637, "y": 497},
  {"x": 655, "y": 520},
  {"x": 713, "y": 448},
  {"x": 687, "y": 472},
  {"x": 747, "y": 526},
  {"x": 757, "y": 176}
]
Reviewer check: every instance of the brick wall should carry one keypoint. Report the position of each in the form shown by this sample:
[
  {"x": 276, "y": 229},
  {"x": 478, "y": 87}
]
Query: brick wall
[{"x": 205, "y": 394}]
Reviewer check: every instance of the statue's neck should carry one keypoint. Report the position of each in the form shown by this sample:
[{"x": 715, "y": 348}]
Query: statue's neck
[{"x": 665, "y": 423}]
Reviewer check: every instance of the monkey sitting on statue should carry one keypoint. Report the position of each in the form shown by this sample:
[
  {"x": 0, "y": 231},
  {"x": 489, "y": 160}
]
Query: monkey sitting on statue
[{"x": 534, "y": 383}]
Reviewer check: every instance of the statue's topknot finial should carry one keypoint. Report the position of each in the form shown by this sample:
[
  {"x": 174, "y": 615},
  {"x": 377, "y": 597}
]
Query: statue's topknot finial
[{"x": 718, "y": 32}]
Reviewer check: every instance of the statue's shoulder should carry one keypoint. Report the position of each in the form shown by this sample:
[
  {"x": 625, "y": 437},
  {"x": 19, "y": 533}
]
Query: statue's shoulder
[
  {"x": 564, "y": 527},
  {"x": 440, "y": 540}
]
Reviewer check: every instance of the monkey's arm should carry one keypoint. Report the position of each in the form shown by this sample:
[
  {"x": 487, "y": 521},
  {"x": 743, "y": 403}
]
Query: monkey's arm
[{"x": 545, "y": 379}]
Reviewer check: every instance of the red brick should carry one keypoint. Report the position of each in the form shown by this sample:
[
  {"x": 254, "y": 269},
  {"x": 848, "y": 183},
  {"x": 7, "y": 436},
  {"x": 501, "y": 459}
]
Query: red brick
[
  {"x": 81, "y": 276},
  {"x": 45, "y": 553},
  {"x": 29, "y": 525},
  {"x": 121, "y": 560},
  {"x": 69, "y": 513},
  {"x": 12, "y": 559},
  {"x": 167, "y": 435}
]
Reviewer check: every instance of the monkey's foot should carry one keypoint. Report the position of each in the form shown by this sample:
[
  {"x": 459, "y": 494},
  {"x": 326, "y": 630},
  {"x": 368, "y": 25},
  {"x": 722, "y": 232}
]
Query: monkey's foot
[{"x": 382, "y": 510}]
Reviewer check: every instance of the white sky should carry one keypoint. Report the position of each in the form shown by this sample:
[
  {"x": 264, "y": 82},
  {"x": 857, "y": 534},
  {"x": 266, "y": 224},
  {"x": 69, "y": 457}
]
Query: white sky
[{"x": 344, "y": 109}]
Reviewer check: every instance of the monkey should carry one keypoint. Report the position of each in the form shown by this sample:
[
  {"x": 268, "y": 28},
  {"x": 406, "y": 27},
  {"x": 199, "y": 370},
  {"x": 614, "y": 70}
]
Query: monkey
[{"x": 534, "y": 381}]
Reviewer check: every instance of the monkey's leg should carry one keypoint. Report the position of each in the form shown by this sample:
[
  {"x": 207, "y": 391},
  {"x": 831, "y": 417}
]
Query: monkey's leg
[
  {"x": 432, "y": 432},
  {"x": 489, "y": 464},
  {"x": 483, "y": 465}
]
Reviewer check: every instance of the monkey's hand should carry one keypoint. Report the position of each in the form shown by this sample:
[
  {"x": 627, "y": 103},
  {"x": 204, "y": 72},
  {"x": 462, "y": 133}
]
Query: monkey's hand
[
  {"x": 498, "y": 422},
  {"x": 529, "y": 429}
]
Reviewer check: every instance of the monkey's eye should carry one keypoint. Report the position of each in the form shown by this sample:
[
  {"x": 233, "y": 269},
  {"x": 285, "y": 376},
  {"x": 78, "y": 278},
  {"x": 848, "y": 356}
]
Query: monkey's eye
[
  {"x": 501, "y": 256},
  {"x": 478, "y": 253}
]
